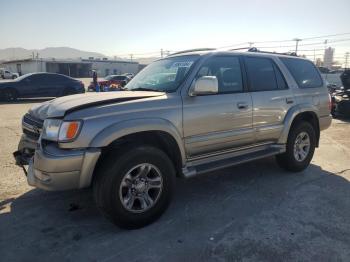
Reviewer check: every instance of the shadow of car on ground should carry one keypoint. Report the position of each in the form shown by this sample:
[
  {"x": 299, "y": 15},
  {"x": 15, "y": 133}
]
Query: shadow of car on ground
[{"x": 254, "y": 211}]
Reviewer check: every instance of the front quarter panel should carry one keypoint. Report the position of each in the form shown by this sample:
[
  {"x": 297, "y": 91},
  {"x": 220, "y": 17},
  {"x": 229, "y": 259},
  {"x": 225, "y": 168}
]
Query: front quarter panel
[{"x": 106, "y": 123}]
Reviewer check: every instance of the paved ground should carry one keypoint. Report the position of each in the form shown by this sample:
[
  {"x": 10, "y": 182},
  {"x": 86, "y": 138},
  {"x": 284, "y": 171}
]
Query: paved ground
[{"x": 252, "y": 212}]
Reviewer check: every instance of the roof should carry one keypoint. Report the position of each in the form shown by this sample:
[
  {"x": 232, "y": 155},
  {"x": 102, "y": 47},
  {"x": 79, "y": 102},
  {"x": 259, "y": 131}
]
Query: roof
[{"x": 250, "y": 51}]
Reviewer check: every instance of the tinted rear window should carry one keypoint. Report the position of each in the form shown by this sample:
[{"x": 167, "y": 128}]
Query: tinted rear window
[{"x": 304, "y": 72}]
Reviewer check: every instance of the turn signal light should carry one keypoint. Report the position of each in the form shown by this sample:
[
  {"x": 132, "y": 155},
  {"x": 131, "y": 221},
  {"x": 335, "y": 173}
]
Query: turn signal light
[{"x": 69, "y": 130}]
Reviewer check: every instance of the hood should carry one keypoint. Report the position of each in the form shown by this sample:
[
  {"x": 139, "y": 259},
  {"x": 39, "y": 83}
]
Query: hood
[{"x": 63, "y": 105}]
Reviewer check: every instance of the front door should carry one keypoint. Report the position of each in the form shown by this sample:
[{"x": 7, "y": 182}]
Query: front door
[{"x": 222, "y": 121}]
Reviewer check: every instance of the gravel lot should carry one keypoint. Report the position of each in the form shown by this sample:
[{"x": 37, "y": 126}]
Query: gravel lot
[{"x": 251, "y": 212}]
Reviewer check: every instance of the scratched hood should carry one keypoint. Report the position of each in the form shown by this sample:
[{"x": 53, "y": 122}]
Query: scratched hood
[{"x": 63, "y": 105}]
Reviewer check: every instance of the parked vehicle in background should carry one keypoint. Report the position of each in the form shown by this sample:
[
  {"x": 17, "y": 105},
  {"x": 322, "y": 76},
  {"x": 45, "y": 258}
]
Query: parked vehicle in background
[
  {"x": 187, "y": 114},
  {"x": 341, "y": 96},
  {"x": 40, "y": 85},
  {"x": 110, "y": 83},
  {"x": 130, "y": 75},
  {"x": 6, "y": 74}
]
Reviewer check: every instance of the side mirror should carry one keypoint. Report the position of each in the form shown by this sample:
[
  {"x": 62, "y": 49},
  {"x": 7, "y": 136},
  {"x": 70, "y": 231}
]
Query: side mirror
[{"x": 205, "y": 85}]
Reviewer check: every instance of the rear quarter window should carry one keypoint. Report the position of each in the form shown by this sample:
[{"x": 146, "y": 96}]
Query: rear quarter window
[{"x": 304, "y": 72}]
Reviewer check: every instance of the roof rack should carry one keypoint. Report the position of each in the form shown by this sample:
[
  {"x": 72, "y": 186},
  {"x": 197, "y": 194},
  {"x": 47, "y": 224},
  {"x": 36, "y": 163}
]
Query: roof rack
[
  {"x": 192, "y": 50},
  {"x": 254, "y": 49},
  {"x": 240, "y": 48}
]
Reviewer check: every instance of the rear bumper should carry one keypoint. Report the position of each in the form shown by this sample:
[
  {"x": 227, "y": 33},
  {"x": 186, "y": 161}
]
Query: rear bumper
[
  {"x": 56, "y": 169},
  {"x": 325, "y": 122}
]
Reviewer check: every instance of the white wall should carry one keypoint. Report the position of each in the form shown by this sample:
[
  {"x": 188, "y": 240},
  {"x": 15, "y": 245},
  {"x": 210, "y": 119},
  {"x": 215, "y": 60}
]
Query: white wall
[
  {"x": 27, "y": 66},
  {"x": 120, "y": 67}
]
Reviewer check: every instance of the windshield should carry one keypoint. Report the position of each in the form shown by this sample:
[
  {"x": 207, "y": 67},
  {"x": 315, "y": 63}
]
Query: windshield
[
  {"x": 108, "y": 77},
  {"x": 163, "y": 75},
  {"x": 22, "y": 77}
]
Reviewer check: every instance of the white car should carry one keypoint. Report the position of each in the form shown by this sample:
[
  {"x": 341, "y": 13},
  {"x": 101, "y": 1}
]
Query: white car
[{"x": 6, "y": 74}]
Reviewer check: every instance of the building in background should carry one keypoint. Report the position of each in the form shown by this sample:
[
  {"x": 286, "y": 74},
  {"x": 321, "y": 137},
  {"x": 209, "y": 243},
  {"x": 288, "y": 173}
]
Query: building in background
[
  {"x": 73, "y": 68},
  {"x": 328, "y": 57}
]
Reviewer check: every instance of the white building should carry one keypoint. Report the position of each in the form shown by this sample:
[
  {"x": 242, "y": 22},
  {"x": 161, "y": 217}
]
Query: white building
[
  {"x": 328, "y": 57},
  {"x": 74, "y": 68}
]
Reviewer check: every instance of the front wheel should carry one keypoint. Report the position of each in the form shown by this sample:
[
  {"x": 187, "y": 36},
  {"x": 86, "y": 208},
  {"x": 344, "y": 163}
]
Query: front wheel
[
  {"x": 300, "y": 148},
  {"x": 134, "y": 189},
  {"x": 10, "y": 95}
]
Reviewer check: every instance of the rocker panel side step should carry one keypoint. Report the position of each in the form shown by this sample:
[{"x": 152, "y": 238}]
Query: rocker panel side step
[{"x": 192, "y": 170}]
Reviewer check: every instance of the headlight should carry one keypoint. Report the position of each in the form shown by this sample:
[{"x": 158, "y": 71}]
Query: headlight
[{"x": 61, "y": 131}]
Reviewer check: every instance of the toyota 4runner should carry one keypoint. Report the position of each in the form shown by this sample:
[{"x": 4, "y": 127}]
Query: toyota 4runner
[{"x": 190, "y": 113}]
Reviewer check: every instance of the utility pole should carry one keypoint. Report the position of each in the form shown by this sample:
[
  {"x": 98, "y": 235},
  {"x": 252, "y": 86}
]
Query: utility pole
[
  {"x": 161, "y": 53},
  {"x": 346, "y": 59},
  {"x": 251, "y": 44},
  {"x": 314, "y": 56},
  {"x": 131, "y": 55},
  {"x": 297, "y": 40}
]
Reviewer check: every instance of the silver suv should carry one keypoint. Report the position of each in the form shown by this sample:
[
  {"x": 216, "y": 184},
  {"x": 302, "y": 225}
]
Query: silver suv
[{"x": 184, "y": 115}]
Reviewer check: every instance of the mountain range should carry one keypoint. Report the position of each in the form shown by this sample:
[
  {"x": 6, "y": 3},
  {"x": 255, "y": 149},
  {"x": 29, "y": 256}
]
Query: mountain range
[
  {"x": 59, "y": 53},
  {"x": 49, "y": 52}
]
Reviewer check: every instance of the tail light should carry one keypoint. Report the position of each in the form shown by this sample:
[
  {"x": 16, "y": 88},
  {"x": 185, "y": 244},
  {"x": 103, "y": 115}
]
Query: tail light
[{"x": 330, "y": 103}]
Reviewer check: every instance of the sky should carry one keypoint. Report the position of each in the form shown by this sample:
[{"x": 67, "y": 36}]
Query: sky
[{"x": 121, "y": 27}]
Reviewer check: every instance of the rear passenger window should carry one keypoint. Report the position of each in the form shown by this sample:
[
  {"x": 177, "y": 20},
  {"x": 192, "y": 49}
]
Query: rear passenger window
[
  {"x": 261, "y": 74},
  {"x": 304, "y": 72},
  {"x": 281, "y": 82},
  {"x": 227, "y": 70}
]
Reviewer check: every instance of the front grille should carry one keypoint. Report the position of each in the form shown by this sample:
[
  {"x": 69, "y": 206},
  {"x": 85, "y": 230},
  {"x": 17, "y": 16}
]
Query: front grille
[
  {"x": 31, "y": 135},
  {"x": 32, "y": 126}
]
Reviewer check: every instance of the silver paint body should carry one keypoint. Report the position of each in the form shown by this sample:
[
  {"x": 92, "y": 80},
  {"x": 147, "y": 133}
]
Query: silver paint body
[{"x": 203, "y": 126}]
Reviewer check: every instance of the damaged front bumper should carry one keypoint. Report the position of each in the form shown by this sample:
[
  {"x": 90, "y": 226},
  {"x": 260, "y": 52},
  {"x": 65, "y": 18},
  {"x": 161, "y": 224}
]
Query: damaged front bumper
[{"x": 52, "y": 168}]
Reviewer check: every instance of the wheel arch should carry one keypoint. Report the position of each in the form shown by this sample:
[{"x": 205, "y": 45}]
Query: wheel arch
[
  {"x": 156, "y": 132},
  {"x": 296, "y": 114}
]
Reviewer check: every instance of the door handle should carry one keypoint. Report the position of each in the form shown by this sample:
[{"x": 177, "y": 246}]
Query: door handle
[
  {"x": 289, "y": 100},
  {"x": 242, "y": 105}
]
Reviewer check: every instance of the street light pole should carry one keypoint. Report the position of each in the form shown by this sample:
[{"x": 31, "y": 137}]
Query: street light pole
[{"x": 297, "y": 40}]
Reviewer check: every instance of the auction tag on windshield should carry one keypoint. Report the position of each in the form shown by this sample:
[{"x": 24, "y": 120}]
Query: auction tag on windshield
[{"x": 182, "y": 64}]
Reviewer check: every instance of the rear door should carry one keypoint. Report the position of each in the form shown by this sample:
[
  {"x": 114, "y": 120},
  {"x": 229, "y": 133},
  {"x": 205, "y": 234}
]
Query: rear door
[
  {"x": 222, "y": 121},
  {"x": 311, "y": 88},
  {"x": 271, "y": 97}
]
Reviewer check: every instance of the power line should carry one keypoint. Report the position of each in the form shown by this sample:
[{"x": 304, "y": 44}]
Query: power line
[
  {"x": 250, "y": 43},
  {"x": 323, "y": 36}
]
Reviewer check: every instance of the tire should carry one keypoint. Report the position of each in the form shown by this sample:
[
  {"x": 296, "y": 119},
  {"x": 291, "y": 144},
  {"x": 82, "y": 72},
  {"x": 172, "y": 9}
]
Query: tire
[
  {"x": 110, "y": 186},
  {"x": 288, "y": 160},
  {"x": 14, "y": 77},
  {"x": 10, "y": 95}
]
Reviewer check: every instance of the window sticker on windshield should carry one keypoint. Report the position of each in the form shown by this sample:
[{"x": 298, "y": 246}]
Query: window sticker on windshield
[{"x": 182, "y": 64}]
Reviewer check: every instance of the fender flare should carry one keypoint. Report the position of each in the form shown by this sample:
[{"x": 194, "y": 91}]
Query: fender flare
[
  {"x": 128, "y": 127},
  {"x": 292, "y": 113}
]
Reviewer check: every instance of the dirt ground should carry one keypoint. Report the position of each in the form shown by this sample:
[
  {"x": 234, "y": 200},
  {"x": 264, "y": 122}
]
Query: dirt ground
[{"x": 251, "y": 212}]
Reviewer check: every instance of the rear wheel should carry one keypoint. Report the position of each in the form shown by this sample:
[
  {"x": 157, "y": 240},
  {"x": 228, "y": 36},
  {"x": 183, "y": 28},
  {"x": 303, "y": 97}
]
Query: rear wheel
[
  {"x": 68, "y": 91},
  {"x": 300, "y": 148},
  {"x": 134, "y": 189}
]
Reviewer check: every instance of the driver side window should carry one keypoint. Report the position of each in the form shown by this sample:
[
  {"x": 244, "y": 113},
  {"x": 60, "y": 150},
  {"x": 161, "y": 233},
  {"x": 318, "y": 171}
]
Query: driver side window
[{"x": 227, "y": 70}]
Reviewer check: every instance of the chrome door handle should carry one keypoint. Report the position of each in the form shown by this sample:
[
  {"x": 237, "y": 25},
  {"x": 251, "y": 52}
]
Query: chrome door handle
[
  {"x": 242, "y": 105},
  {"x": 289, "y": 100}
]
